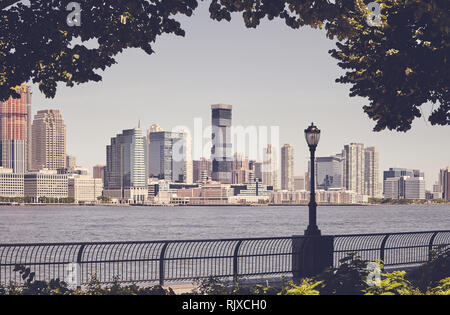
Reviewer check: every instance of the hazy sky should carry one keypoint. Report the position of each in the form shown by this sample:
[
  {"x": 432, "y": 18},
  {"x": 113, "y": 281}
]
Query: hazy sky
[{"x": 273, "y": 76}]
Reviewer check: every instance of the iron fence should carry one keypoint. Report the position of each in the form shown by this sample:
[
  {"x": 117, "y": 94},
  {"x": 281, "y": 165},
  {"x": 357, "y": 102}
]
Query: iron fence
[{"x": 160, "y": 261}]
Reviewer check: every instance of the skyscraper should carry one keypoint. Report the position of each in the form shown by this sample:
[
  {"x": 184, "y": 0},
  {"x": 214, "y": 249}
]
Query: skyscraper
[
  {"x": 49, "y": 140},
  {"x": 15, "y": 131},
  {"x": 241, "y": 169},
  {"x": 287, "y": 167},
  {"x": 444, "y": 183},
  {"x": 221, "y": 151},
  {"x": 126, "y": 175},
  {"x": 71, "y": 161},
  {"x": 98, "y": 171},
  {"x": 269, "y": 167},
  {"x": 371, "y": 172},
  {"x": 353, "y": 155},
  {"x": 169, "y": 155},
  {"x": 329, "y": 172}
]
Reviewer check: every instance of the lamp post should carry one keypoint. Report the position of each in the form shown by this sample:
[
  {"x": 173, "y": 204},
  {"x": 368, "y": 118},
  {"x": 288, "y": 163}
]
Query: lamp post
[{"x": 312, "y": 135}]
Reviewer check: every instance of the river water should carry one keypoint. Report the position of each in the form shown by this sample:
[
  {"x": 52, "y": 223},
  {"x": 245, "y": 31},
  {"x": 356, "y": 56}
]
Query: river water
[{"x": 114, "y": 223}]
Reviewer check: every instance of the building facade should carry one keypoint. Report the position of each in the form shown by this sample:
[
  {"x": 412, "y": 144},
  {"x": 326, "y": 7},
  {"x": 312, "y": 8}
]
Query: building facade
[
  {"x": 15, "y": 131},
  {"x": 84, "y": 188},
  {"x": 371, "y": 172},
  {"x": 169, "y": 156},
  {"x": 49, "y": 140},
  {"x": 269, "y": 167},
  {"x": 45, "y": 183},
  {"x": 98, "y": 171},
  {"x": 329, "y": 172},
  {"x": 126, "y": 174},
  {"x": 287, "y": 167},
  {"x": 221, "y": 150},
  {"x": 353, "y": 155},
  {"x": 11, "y": 184},
  {"x": 202, "y": 170}
]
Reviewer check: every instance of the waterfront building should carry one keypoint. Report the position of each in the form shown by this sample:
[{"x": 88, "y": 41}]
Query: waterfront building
[
  {"x": 322, "y": 196},
  {"x": 444, "y": 183},
  {"x": 202, "y": 170},
  {"x": 84, "y": 188},
  {"x": 11, "y": 184},
  {"x": 15, "y": 131},
  {"x": 49, "y": 140},
  {"x": 404, "y": 187},
  {"x": 169, "y": 155},
  {"x": 45, "y": 183},
  {"x": 126, "y": 168},
  {"x": 221, "y": 150},
  {"x": 287, "y": 167},
  {"x": 353, "y": 169},
  {"x": 371, "y": 172}
]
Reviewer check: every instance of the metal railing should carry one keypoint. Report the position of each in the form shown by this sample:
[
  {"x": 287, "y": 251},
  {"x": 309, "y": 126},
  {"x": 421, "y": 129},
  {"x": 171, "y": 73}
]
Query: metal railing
[{"x": 160, "y": 261}]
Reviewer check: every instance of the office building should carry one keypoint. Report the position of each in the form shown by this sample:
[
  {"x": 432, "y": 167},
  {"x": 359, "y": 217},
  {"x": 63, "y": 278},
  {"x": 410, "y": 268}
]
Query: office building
[
  {"x": 353, "y": 155},
  {"x": 287, "y": 167},
  {"x": 444, "y": 183},
  {"x": 84, "y": 188},
  {"x": 49, "y": 140},
  {"x": 371, "y": 172},
  {"x": 396, "y": 172},
  {"x": 202, "y": 170},
  {"x": 169, "y": 155},
  {"x": 404, "y": 187},
  {"x": 15, "y": 131},
  {"x": 11, "y": 184},
  {"x": 45, "y": 183},
  {"x": 221, "y": 150},
  {"x": 126, "y": 172},
  {"x": 329, "y": 172}
]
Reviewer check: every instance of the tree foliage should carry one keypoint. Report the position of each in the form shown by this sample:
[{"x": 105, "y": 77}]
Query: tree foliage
[{"x": 397, "y": 67}]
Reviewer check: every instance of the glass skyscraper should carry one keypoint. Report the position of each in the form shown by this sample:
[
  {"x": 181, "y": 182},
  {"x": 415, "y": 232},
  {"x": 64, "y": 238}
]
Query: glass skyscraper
[
  {"x": 221, "y": 151},
  {"x": 329, "y": 172},
  {"x": 126, "y": 168}
]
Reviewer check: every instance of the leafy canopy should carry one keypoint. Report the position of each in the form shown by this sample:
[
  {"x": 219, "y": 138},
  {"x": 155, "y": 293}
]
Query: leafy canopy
[{"x": 397, "y": 67}]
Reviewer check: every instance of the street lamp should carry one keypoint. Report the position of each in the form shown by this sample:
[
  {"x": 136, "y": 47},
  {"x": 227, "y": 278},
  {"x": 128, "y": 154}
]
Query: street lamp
[{"x": 312, "y": 135}]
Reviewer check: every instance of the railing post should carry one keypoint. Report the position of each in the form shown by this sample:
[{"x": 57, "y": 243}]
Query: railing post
[
  {"x": 430, "y": 246},
  {"x": 78, "y": 271},
  {"x": 161, "y": 264},
  {"x": 383, "y": 246},
  {"x": 235, "y": 261}
]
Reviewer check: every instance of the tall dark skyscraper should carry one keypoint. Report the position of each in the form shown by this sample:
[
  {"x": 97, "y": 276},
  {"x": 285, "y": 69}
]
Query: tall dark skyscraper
[{"x": 221, "y": 151}]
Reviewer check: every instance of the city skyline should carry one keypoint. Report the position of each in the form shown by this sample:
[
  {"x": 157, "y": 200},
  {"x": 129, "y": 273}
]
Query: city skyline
[{"x": 297, "y": 69}]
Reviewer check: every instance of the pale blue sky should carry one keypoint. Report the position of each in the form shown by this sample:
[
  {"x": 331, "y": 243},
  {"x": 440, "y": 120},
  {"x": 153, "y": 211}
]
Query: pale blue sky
[{"x": 272, "y": 76}]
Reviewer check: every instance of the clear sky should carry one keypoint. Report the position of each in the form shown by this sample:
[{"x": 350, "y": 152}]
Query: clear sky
[{"x": 272, "y": 76}]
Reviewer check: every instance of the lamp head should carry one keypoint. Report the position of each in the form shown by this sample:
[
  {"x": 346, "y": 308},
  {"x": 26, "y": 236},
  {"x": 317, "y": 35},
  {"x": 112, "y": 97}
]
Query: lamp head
[{"x": 312, "y": 135}]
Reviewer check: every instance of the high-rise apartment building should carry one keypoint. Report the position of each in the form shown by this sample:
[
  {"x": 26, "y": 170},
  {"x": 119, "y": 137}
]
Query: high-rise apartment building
[
  {"x": 126, "y": 173},
  {"x": 354, "y": 168},
  {"x": 329, "y": 172},
  {"x": 169, "y": 155},
  {"x": 221, "y": 151},
  {"x": 15, "y": 131},
  {"x": 49, "y": 140},
  {"x": 287, "y": 167},
  {"x": 371, "y": 172},
  {"x": 269, "y": 167},
  {"x": 202, "y": 170}
]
